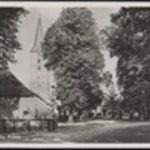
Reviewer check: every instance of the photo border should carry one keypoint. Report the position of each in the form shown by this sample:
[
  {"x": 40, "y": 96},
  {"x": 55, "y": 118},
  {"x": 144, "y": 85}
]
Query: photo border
[{"x": 78, "y": 146}]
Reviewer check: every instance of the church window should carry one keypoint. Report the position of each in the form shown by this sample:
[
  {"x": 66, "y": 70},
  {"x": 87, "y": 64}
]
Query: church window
[
  {"x": 39, "y": 60},
  {"x": 39, "y": 67}
]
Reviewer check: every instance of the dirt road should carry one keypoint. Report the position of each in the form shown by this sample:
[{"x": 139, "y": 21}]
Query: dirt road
[{"x": 97, "y": 131}]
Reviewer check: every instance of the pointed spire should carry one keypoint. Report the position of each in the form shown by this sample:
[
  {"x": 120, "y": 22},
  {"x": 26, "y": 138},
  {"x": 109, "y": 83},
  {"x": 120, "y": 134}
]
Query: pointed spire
[{"x": 38, "y": 37}]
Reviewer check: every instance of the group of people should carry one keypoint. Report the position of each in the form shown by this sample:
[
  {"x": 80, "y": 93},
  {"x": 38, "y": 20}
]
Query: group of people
[{"x": 80, "y": 115}]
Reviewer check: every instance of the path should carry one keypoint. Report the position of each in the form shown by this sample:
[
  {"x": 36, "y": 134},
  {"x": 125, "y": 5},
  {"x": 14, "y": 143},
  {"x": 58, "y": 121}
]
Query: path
[{"x": 97, "y": 131}]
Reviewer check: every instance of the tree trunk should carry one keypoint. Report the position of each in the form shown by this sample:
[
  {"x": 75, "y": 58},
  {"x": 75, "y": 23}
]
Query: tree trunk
[{"x": 145, "y": 113}]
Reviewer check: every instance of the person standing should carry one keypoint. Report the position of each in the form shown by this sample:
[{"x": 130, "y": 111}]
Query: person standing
[{"x": 99, "y": 111}]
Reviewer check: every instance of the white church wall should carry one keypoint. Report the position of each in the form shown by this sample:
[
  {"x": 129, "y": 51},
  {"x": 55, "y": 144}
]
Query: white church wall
[
  {"x": 41, "y": 80},
  {"x": 30, "y": 104}
]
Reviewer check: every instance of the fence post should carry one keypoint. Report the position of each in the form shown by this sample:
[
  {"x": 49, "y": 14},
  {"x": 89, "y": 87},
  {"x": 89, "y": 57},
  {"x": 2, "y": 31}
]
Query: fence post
[
  {"x": 4, "y": 125},
  {"x": 29, "y": 127},
  {"x": 54, "y": 123},
  {"x": 14, "y": 125},
  {"x": 1, "y": 125},
  {"x": 48, "y": 125}
]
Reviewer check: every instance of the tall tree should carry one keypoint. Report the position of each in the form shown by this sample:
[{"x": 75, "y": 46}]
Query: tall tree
[
  {"x": 128, "y": 38},
  {"x": 9, "y": 44},
  {"x": 71, "y": 49}
]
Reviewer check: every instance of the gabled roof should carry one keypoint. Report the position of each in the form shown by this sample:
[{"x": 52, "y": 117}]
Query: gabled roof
[
  {"x": 10, "y": 86},
  {"x": 38, "y": 37}
]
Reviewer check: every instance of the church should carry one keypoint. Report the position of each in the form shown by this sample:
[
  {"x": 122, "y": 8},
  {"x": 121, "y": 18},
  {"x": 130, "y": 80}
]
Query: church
[{"x": 41, "y": 81}]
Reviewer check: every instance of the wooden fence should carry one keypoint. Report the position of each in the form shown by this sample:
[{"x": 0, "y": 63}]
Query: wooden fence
[{"x": 18, "y": 125}]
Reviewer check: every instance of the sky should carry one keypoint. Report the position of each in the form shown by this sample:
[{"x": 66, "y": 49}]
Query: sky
[{"x": 48, "y": 16}]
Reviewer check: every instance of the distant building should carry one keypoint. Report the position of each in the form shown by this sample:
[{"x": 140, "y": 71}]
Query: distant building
[{"x": 41, "y": 81}]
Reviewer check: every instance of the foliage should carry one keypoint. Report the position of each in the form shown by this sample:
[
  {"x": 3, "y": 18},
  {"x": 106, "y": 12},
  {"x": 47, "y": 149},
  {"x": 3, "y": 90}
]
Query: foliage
[
  {"x": 107, "y": 78},
  {"x": 9, "y": 44},
  {"x": 9, "y": 24},
  {"x": 71, "y": 49},
  {"x": 7, "y": 106},
  {"x": 128, "y": 38},
  {"x": 111, "y": 97}
]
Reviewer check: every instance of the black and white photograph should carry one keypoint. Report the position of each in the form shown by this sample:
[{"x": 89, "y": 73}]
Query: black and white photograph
[{"x": 74, "y": 73}]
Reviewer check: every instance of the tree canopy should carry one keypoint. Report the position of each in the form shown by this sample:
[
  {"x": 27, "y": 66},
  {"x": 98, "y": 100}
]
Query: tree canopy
[
  {"x": 10, "y": 18},
  {"x": 9, "y": 27},
  {"x": 128, "y": 38},
  {"x": 71, "y": 49}
]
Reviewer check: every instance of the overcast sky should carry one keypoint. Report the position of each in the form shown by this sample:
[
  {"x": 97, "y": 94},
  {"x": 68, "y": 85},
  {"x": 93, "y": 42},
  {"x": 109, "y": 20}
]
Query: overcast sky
[{"x": 49, "y": 15}]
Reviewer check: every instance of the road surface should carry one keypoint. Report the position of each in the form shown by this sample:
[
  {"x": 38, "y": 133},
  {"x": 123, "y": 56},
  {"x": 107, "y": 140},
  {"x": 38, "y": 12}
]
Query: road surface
[{"x": 97, "y": 131}]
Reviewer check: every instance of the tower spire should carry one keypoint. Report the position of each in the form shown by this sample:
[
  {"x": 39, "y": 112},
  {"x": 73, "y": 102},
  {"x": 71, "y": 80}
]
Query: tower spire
[{"x": 38, "y": 36}]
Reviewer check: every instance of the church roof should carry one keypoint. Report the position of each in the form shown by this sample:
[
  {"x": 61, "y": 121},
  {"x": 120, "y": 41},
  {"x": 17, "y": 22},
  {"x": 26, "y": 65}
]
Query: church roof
[
  {"x": 38, "y": 37},
  {"x": 10, "y": 86}
]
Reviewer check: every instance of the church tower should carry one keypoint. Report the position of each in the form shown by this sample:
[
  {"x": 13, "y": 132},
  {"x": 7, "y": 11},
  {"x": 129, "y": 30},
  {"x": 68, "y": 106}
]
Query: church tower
[{"x": 39, "y": 76}]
